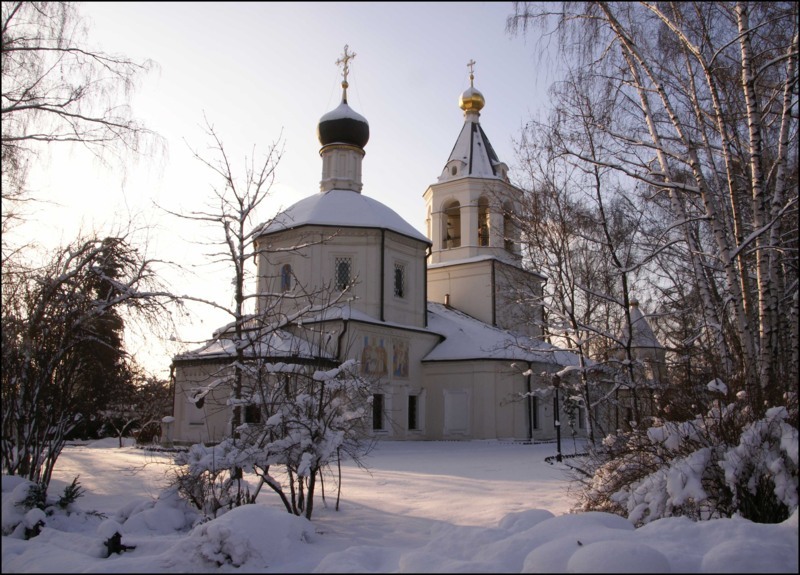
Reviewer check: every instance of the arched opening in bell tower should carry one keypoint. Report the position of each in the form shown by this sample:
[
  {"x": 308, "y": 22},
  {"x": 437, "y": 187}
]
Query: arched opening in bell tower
[
  {"x": 483, "y": 222},
  {"x": 452, "y": 225}
]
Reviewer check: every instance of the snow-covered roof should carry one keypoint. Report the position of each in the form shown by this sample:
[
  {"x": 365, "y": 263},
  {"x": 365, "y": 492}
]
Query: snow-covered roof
[
  {"x": 475, "y": 259},
  {"x": 343, "y": 110},
  {"x": 277, "y": 343},
  {"x": 341, "y": 208},
  {"x": 468, "y": 338},
  {"x": 464, "y": 338},
  {"x": 474, "y": 150}
]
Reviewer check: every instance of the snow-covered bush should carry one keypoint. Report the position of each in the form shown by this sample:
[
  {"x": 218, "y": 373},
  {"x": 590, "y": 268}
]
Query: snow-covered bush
[
  {"x": 723, "y": 464},
  {"x": 206, "y": 478},
  {"x": 27, "y": 508},
  {"x": 251, "y": 538},
  {"x": 310, "y": 418}
]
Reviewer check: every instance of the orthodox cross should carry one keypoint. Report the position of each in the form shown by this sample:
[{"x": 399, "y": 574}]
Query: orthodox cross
[
  {"x": 344, "y": 61},
  {"x": 470, "y": 65}
]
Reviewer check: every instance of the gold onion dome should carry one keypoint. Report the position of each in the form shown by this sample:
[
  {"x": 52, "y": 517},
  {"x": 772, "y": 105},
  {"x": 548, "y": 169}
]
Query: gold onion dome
[{"x": 471, "y": 100}]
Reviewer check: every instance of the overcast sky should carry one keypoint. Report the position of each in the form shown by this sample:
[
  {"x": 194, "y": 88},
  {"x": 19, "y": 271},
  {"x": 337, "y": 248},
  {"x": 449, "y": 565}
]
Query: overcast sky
[{"x": 263, "y": 71}]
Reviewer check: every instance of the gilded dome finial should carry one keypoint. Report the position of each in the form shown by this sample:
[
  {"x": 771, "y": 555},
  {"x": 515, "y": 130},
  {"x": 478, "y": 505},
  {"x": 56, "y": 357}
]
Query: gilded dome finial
[
  {"x": 471, "y": 100},
  {"x": 344, "y": 62}
]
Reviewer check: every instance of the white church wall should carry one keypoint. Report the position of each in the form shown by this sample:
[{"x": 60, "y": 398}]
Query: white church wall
[
  {"x": 469, "y": 286},
  {"x": 469, "y": 192},
  {"x": 411, "y": 308},
  {"x": 391, "y": 357},
  {"x": 205, "y": 424},
  {"x": 518, "y": 300},
  {"x": 470, "y": 400},
  {"x": 314, "y": 269}
]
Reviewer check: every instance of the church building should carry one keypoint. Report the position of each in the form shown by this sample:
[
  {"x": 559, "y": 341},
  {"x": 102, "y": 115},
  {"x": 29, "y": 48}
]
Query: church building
[{"x": 433, "y": 317}]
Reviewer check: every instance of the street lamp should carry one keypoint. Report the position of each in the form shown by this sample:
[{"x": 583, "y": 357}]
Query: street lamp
[{"x": 557, "y": 416}]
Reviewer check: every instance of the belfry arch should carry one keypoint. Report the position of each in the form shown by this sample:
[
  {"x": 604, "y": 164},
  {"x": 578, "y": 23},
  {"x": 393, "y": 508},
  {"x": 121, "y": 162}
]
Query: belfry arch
[{"x": 451, "y": 225}]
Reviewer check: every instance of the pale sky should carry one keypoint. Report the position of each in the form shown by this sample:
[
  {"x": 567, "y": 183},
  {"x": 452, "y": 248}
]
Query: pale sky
[{"x": 257, "y": 70}]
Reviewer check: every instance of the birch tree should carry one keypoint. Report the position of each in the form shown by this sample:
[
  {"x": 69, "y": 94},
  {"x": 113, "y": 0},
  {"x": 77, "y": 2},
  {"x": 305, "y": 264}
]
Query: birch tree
[
  {"x": 707, "y": 120},
  {"x": 583, "y": 226},
  {"x": 695, "y": 111},
  {"x": 59, "y": 90}
]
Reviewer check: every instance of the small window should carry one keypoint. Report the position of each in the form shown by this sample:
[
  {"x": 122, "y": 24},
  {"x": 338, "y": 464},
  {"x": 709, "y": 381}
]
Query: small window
[
  {"x": 399, "y": 280},
  {"x": 535, "y": 412},
  {"x": 252, "y": 413},
  {"x": 286, "y": 277},
  {"x": 413, "y": 412},
  {"x": 581, "y": 418},
  {"x": 343, "y": 269},
  {"x": 377, "y": 412},
  {"x": 454, "y": 170}
]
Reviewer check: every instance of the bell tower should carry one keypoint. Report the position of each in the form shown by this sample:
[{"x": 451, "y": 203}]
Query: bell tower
[
  {"x": 469, "y": 210},
  {"x": 470, "y": 221}
]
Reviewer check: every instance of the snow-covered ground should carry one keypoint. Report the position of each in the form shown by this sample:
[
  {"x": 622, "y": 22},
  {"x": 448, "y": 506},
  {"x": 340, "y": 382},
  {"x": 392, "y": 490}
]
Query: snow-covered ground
[{"x": 479, "y": 506}]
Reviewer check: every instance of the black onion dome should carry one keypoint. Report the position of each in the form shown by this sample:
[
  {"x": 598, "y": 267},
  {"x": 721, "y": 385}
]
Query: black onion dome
[{"x": 343, "y": 126}]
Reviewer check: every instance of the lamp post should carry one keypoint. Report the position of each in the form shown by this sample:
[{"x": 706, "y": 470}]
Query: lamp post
[{"x": 557, "y": 416}]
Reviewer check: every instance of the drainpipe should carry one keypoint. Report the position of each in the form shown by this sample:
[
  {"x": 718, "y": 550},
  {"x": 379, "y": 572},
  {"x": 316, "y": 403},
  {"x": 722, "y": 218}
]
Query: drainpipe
[
  {"x": 494, "y": 302},
  {"x": 339, "y": 340},
  {"x": 383, "y": 271},
  {"x": 428, "y": 251}
]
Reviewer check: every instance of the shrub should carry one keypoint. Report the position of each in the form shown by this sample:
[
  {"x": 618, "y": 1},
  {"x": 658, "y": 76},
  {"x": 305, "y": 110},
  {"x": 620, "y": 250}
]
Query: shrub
[{"x": 723, "y": 464}]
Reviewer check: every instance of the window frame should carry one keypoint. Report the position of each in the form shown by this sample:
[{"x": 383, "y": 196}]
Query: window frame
[
  {"x": 400, "y": 267},
  {"x": 337, "y": 261},
  {"x": 413, "y": 414},
  {"x": 286, "y": 277},
  {"x": 378, "y": 412}
]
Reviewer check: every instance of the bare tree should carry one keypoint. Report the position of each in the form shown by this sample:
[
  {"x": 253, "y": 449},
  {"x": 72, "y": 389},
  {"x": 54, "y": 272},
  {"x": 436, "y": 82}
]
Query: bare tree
[
  {"x": 49, "y": 316},
  {"x": 693, "y": 106},
  {"x": 56, "y": 89},
  {"x": 706, "y": 98},
  {"x": 583, "y": 226},
  {"x": 303, "y": 414},
  {"x": 231, "y": 213},
  {"x": 139, "y": 408}
]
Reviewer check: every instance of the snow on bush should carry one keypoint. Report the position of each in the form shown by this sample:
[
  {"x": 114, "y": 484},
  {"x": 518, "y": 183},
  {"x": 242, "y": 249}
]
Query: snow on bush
[
  {"x": 311, "y": 418},
  {"x": 167, "y": 514},
  {"x": 720, "y": 465},
  {"x": 252, "y": 535},
  {"x": 15, "y": 491}
]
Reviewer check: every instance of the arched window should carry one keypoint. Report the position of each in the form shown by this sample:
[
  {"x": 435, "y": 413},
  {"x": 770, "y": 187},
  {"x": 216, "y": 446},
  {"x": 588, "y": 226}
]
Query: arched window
[
  {"x": 452, "y": 225},
  {"x": 483, "y": 222},
  {"x": 286, "y": 277},
  {"x": 343, "y": 268},
  {"x": 509, "y": 233},
  {"x": 399, "y": 280}
]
